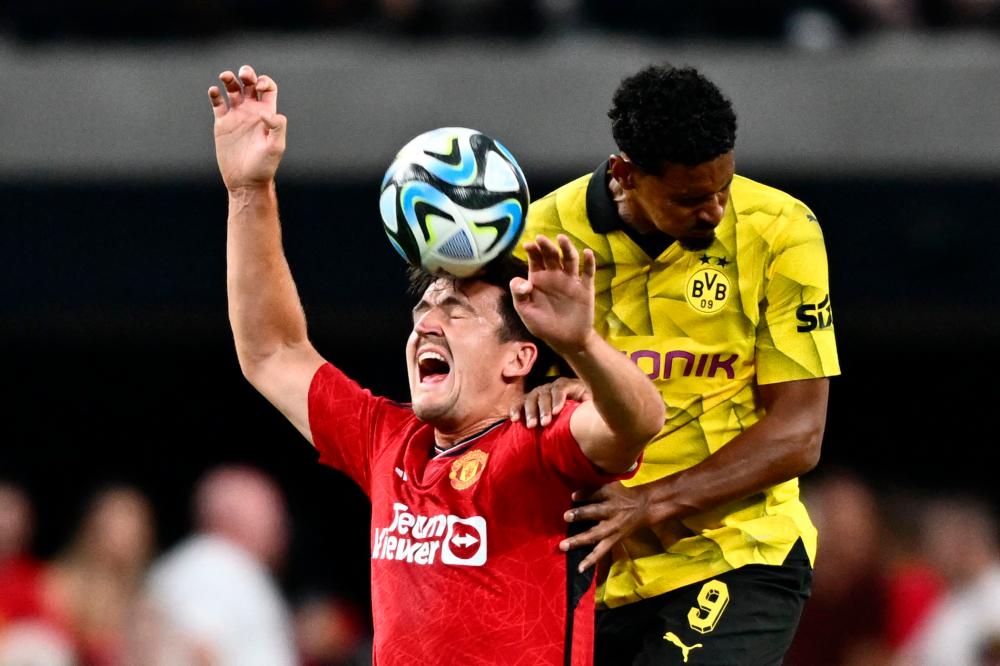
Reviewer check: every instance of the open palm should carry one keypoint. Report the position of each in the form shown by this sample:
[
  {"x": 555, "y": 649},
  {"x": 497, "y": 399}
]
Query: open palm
[
  {"x": 556, "y": 302},
  {"x": 249, "y": 132}
]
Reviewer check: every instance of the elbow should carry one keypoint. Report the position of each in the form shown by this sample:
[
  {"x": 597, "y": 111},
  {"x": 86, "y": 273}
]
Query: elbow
[
  {"x": 254, "y": 366},
  {"x": 807, "y": 452},
  {"x": 653, "y": 419}
]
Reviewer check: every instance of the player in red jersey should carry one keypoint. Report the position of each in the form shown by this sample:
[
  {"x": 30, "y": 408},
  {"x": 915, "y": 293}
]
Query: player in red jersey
[{"x": 466, "y": 506}]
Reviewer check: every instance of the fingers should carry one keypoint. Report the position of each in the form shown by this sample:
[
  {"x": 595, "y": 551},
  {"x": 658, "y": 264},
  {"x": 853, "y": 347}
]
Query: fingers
[
  {"x": 570, "y": 257},
  {"x": 559, "y": 256},
  {"x": 598, "y": 511},
  {"x": 218, "y": 101},
  {"x": 233, "y": 88},
  {"x": 277, "y": 125},
  {"x": 600, "y": 550},
  {"x": 246, "y": 85},
  {"x": 515, "y": 409},
  {"x": 549, "y": 253},
  {"x": 589, "y": 265},
  {"x": 535, "y": 263},
  {"x": 267, "y": 91},
  {"x": 248, "y": 78},
  {"x": 520, "y": 288},
  {"x": 530, "y": 410},
  {"x": 558, "y": 396},
  {"x": 594, "y": 535},
  {"x": 544, "y": 406}
]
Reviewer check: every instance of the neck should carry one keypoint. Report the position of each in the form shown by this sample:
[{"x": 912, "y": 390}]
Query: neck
[
  {"x": 445, "y": 438},
  {"x": 626, "y": 211}
]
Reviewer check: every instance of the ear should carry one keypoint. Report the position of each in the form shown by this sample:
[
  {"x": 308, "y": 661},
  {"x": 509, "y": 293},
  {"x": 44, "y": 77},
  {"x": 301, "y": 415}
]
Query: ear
[
  {"x": 520, "y": 362},
  {"x": 622, "y": 170}
]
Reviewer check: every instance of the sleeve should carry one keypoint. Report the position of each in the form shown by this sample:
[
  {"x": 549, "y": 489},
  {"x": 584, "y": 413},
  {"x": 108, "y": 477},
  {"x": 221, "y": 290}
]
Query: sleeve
[
  {"x": 562, "y": 453},
  {"x": 795, "y": 336},
  {"x": 346, "y": 422}
]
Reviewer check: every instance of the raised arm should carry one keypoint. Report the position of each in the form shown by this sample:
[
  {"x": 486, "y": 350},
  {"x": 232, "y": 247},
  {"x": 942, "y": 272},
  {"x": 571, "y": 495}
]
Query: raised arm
[
  {"x": 783, "y": 445},
  {"x": 556, "y": 303},
  {"x": 269, "y": 326}
]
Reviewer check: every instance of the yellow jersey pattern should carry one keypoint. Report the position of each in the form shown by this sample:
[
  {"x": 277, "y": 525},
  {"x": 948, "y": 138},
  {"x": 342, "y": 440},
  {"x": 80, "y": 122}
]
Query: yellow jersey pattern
[{"x": 706, "y": 326}]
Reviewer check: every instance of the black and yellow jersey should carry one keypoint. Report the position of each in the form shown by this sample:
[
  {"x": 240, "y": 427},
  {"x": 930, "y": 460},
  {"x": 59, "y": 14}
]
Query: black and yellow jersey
[{"x": 707, "y": 326}]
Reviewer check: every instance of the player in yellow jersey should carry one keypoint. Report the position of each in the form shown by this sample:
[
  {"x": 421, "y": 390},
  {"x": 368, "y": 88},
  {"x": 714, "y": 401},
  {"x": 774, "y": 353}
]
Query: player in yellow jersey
[{"x": 717, "y": 287}]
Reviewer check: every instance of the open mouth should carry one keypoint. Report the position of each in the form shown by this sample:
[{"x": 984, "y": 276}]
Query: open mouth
[{"x": 432, "y": 367}]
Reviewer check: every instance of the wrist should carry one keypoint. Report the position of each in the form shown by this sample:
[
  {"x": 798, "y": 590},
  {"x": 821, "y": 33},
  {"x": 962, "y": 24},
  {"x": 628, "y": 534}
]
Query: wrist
[
  {"x": 244, "y": 196},
  {"x": 249, "y": 190},
  {"x": 578, "y": 348}
]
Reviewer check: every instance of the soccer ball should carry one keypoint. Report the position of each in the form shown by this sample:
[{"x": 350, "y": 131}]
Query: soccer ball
[{"x": 453, "y": 200}]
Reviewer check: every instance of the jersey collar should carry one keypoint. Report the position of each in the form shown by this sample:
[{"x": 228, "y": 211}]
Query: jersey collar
[{"x": 602, "y": 212}]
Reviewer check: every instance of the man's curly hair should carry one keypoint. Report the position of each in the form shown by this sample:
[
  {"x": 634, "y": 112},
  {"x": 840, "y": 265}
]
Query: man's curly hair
[{"x": 669, "y": 115}]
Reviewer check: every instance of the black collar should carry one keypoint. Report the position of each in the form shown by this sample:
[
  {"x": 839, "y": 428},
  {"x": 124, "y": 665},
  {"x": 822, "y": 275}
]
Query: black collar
[
  {"x": 602, "y": 212},
  {"x": 461, "y": 445}
]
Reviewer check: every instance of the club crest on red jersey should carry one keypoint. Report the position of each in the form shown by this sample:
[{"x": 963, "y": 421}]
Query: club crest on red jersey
[{"x": 466, "y": 470}]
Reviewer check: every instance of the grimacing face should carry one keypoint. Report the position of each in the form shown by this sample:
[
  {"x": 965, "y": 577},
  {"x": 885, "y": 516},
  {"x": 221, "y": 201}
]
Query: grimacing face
[
  {"x": 459, "y": 370},
  {"x": 685, "y": 202}
]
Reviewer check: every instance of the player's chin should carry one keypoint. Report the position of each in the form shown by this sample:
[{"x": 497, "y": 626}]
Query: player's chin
[
  {"x": 427, "y": 411},
  {"x": 698, "y": 241}
]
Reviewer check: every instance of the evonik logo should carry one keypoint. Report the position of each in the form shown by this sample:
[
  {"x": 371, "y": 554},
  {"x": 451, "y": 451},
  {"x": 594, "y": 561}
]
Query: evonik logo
[{"x": 419, "y": 539}]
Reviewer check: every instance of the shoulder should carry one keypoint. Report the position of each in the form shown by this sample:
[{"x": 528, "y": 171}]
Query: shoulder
[
  {"x": 772, "y": 214},
  {"x": 561, "y": 208},
  {"x": 331, "y": 389}
]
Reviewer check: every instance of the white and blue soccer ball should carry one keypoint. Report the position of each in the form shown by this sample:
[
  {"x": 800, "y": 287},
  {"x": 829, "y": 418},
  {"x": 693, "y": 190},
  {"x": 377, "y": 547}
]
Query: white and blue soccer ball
[{"x": 453, "y": 200}]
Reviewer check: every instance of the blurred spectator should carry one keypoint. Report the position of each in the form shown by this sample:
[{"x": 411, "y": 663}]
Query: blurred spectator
[
  {"x": 212, "y": 600},
  {"x": 330, "y": 632},
  {"x": 94, "y": 584},
  {"x": 32, "y": 643},
  {"x": 844, "y": 621},
  {"x": 912, "y": 583},
  {"x": 20, "y": 573},
  {"x": 960, "y": 538}
]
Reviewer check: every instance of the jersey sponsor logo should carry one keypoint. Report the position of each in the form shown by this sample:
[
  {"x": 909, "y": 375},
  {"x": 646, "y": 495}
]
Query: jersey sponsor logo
[
  {"x": 465, "y": 543},
  {"x": 708, "y": 290},
  {"x": 466, "y": 470},
  {"x": 814, "y": 316},
  {"x": 672, "y": 638},
  {"x": 659, "y": 365},
  {"x": 424, "y": 540}
]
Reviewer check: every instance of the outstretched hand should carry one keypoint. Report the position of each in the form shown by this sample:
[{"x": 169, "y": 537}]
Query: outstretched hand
[
  {"x": 249, "y": 132},
  {"x": 556, "y": 301},
  {"x": 618, "y": 510}
]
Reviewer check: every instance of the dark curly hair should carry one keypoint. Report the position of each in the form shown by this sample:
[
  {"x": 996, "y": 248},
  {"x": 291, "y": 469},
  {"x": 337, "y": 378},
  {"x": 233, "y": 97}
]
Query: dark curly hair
[
  {"x": 669, "y": 115},
  {"x": 499, "y": 273}
]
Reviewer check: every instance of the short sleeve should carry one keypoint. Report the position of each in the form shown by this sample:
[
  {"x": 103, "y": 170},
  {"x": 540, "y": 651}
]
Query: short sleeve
[
  {"x": 795, "y": 337},
  {"x": 562, "y": 452},
  {"x": 346, "y": 422}
]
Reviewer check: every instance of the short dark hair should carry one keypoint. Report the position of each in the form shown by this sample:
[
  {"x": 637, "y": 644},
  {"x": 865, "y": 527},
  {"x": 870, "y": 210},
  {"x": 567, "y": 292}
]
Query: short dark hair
[
  {"x": 498, "y": 273},
  {"x": 671, "y": 115}
]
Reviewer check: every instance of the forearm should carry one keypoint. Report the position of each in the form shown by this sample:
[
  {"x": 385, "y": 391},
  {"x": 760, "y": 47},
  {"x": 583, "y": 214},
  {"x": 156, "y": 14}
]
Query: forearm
[
  {"x": 764, "y": 455},
  {"x": 264, "y": 308},
  {"x": 628, "y": 403}
]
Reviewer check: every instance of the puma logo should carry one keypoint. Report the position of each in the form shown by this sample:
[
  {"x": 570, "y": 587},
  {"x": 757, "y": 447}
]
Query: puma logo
[{"x": 671, "y": 637}]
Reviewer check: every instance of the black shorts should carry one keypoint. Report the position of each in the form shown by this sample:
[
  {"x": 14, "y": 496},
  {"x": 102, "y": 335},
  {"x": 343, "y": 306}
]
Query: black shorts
[{"x": 744, "y": 617}]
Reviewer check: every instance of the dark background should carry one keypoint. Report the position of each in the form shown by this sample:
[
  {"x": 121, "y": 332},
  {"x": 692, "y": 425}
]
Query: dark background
[{"x": 119, "y": 364}]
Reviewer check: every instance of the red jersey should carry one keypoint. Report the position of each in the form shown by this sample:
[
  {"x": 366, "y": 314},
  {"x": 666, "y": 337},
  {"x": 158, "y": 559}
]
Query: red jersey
[{"x": 464, "y": 545}]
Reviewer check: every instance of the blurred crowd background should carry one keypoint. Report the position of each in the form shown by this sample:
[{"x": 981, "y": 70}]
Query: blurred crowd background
[
  {"x": 801, "y": 22},
  {"x": 155, "y": 510}
]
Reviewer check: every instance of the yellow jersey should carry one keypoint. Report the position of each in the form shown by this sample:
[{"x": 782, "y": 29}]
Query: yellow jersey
[{"x": 707, "y": 327}]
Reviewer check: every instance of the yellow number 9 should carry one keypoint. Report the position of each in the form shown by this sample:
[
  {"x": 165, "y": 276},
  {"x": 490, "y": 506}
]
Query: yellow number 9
[{"x": 712, "y": 601}]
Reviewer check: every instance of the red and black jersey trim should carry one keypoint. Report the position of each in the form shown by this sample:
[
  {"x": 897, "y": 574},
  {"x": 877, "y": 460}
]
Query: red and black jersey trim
[{"x": 577, "y": 585}]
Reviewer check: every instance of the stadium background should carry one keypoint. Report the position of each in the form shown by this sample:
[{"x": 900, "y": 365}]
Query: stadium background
[{"x": 118, "y": 363}]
